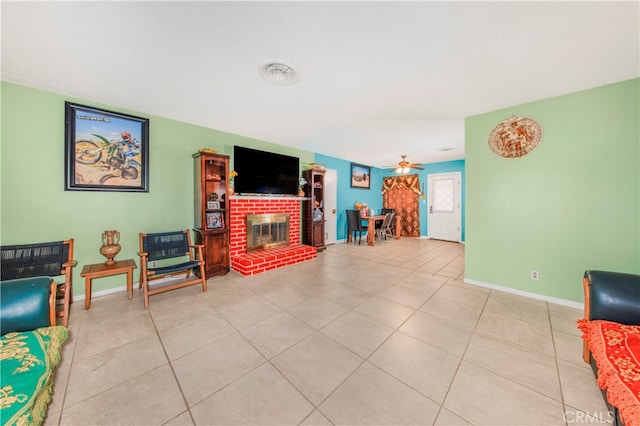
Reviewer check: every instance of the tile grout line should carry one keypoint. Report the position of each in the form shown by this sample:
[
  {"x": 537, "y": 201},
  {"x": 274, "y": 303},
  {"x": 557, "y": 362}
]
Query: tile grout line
[
  {"x": 434, "y": 255},
  {"x": 457, "y": 370},
  {"x": 173, "y": 371}
]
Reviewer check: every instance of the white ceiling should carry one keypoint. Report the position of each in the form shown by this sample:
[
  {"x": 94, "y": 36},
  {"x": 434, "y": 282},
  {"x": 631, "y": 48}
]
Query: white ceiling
[{"x": 378, "y": 79}]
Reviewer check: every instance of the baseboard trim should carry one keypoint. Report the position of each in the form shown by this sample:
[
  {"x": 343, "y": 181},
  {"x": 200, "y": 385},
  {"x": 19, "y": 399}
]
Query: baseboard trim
[
  {"x": 426, "y": 237},
  {"x": 104, "y": 292},
  {"x": 557, "y": 301},
  {"x": 123, "y": 288}
]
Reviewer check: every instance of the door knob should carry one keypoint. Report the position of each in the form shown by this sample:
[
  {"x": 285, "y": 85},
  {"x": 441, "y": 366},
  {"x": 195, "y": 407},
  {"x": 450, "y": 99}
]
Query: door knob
[
  {"x": 333, "y": 211},
  {"x": 430, "y": 209}
]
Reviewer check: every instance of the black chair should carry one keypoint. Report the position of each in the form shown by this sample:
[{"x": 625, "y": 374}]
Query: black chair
[
  {"x": 177, "y": 256},
  {"x": 354, "y": 224},
  {"x": 53, "y": 259}
]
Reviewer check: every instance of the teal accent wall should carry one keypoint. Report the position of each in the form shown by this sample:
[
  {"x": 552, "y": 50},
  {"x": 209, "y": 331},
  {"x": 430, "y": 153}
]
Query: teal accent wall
[
  {"x": 570, "y": 205},
  {"x": 436, "y": 168},
  {"x": 36, "y": 208},
  {"x": 347, "y": 196}
]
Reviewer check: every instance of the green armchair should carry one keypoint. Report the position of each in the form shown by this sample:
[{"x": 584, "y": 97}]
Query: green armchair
[
  {"x": 27, "y": 304},
  {"x": 30, "y": 345}
]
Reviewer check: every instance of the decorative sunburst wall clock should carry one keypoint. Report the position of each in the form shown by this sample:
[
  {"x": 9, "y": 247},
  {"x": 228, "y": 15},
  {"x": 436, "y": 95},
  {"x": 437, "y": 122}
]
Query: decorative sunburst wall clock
[{"x": 515, "y": 137}]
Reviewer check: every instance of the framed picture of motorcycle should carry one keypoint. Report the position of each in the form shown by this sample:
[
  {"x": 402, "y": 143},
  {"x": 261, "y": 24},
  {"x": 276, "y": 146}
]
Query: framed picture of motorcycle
[{"x": 105, "y": 150}]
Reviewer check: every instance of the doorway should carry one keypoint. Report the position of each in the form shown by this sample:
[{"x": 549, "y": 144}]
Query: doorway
[
  {"x": 331, "y": 204},
  {"x": 443, "y": 214}
]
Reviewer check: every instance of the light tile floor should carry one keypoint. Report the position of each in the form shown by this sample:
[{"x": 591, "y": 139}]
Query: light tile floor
[{"x": 361, "y": 335}]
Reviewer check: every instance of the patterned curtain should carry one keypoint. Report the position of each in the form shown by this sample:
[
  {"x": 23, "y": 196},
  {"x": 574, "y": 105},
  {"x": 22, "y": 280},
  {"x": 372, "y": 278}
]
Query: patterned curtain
[{"x": 402, "y": 194}]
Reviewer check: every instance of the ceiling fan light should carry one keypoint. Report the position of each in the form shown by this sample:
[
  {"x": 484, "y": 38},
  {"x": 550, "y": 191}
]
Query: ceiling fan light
[{"x": 406, "y": 170}]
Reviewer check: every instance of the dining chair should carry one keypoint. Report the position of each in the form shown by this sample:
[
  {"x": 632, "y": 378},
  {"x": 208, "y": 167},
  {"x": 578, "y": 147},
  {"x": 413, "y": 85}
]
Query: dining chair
[
  {"x": 382, "y": 231},
  {"x": 388, "y": 229},
  {"x": 354, "y": 224},
  {"x": 393, "y": 219}
]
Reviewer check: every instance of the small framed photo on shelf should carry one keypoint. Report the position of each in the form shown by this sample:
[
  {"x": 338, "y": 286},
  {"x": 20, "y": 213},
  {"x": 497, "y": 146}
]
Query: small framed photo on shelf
[
  {"x": 213, "y": 205},
  {"x": 215, "y": 220}
]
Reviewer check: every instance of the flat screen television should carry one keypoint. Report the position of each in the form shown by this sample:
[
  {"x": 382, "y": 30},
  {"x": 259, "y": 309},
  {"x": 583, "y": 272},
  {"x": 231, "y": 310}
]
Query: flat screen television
[{"x": 261, "y": 172}]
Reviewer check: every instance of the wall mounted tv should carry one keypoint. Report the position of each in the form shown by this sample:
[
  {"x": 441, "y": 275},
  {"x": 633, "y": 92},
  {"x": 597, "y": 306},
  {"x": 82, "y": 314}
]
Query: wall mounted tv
[{"x": 261, "y": 172}]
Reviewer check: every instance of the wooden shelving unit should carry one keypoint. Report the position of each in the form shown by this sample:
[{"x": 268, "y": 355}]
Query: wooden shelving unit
[
  {"x": 313, "y": 208},
  {"x": 211, "y": 210}
]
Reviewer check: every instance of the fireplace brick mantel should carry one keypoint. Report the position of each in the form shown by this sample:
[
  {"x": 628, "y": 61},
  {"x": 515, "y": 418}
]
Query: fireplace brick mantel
[{"x": 257, "y": 262}]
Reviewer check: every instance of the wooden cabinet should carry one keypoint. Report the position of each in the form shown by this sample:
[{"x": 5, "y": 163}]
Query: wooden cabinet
[
  {"x": 211, "y": 210},
  {"x": 216, "y": 251},
  {"x": 313, "y": 208}
]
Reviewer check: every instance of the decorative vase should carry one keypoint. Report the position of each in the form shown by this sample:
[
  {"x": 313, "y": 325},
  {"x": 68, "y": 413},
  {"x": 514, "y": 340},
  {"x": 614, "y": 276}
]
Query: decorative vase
[
  {"x": 231, "y": 191},
  {"x": 110, "y": 246},
  {"x": 301, "y": 192}
]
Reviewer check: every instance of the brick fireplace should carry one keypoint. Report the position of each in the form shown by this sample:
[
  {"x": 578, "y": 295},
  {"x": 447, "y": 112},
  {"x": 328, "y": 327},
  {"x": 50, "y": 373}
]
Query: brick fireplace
[{"x": 264, "y": 259}]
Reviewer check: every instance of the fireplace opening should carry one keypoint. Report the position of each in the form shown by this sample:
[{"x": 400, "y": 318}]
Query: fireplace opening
[{"x": 266, "y": 231}]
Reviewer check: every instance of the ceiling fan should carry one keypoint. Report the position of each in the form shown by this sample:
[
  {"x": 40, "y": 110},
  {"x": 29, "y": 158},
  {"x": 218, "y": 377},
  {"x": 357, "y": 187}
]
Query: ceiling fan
[{"x": 404, "y": 166}]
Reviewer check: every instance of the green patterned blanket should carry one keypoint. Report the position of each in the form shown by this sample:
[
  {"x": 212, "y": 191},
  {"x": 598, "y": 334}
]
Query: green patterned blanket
[{"x": 27, "y": 361}]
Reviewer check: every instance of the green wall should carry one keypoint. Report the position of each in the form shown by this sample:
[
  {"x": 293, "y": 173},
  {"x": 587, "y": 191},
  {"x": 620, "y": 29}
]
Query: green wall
[
  {"x": 572, "y": 204},
  {"x": 36, "y": 208}
]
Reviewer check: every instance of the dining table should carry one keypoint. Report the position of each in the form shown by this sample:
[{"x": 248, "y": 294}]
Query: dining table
[{"x": 371, "y": 227}]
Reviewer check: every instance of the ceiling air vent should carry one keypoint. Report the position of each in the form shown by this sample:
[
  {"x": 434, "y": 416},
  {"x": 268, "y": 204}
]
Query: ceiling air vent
[{"x": 279, "y": 73}]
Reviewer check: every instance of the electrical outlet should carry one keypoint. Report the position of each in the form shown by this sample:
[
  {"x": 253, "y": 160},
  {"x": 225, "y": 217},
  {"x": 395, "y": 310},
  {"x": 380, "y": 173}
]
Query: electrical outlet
[
  {"x": 153, "y": 264},
  {"x": 535, "y": 275}
]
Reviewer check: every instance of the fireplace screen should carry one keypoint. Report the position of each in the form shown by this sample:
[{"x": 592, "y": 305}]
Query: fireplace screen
[{"x": 267, "y": 230}]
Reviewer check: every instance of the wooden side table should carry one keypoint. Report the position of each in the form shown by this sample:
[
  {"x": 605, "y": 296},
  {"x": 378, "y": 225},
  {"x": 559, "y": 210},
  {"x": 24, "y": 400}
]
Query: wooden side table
[{"x": 98, "y": 270}]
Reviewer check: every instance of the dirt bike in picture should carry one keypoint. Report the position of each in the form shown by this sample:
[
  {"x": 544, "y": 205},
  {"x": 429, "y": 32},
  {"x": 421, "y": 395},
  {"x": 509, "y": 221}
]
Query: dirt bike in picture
[{"x": 117, "y": 159}]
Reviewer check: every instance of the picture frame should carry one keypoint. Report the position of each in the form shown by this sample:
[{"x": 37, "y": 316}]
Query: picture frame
[
  {"x": 215, "y": 220},
  {"x": 105, "y": 150},
  {"x": 213, "y": 205},
  {"x": 360, "y": 176}
]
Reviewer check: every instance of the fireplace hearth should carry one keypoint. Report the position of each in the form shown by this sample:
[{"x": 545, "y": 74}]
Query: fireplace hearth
[{"x": 260, "y": 261}]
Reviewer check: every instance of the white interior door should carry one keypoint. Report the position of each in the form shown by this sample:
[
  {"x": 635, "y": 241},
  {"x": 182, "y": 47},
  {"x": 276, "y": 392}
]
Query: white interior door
[
  {"x": 445, "y": 220},
  {"x": 331, "y": 204}
]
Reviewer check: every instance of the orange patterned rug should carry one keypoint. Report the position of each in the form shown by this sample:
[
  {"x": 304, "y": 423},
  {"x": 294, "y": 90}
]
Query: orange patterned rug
[{"x": 616, "y": 350}]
